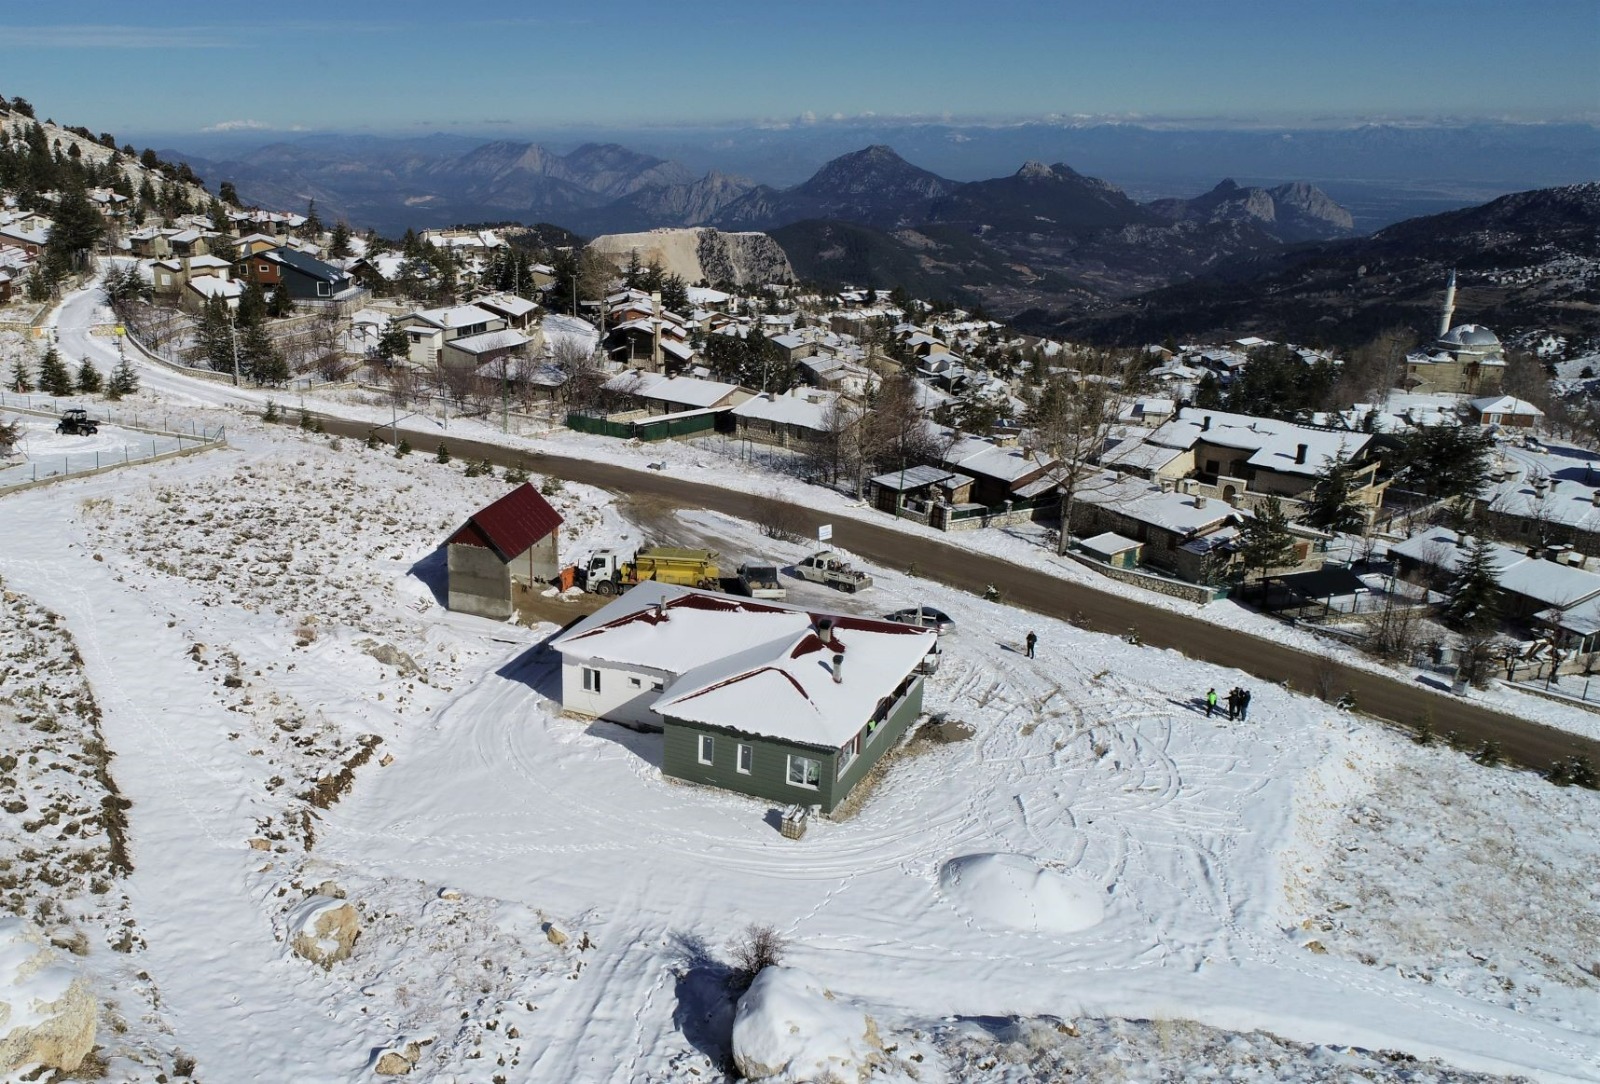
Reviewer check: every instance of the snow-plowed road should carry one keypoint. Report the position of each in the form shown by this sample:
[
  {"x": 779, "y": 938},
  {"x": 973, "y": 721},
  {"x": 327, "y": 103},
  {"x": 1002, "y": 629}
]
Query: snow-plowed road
[
  {"x": 1525, "y": 742},
  {"x": 1522, "y": 741}
]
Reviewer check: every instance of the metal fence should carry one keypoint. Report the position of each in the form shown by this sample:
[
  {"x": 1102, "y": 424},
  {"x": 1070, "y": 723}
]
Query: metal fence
[
  {"x": 661, "y": 427},
  {"x": 1050, "y": 502},
  {"x": 162, "y": 437}
]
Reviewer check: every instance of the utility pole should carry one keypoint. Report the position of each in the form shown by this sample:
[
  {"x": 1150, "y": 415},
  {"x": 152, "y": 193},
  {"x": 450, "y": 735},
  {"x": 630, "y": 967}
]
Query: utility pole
[{"x": 233, "y": 339}]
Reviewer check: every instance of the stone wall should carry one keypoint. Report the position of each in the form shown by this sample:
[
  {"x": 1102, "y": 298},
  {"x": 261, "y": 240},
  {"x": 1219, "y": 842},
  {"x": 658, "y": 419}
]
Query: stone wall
[{"x": 1199, "y": 594}]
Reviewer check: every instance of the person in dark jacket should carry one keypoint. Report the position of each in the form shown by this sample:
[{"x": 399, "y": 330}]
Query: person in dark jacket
[{"x": 1030, "y": 641}]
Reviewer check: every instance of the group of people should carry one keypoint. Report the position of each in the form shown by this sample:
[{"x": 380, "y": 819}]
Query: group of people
[{"x": 1238, "y": 703}]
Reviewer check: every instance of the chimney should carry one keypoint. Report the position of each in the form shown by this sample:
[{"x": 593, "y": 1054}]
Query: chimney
[
  {"x": 661, "y": 609},
  {"x": 838, "y": 669},
  {"x": 1300, "y": 451},
  {"x": 1595, "y": 496},
  {"x": 1199, "y": 501},
  {"x": 1205, "y": 423},
  {"x": 825, "y": 630}
]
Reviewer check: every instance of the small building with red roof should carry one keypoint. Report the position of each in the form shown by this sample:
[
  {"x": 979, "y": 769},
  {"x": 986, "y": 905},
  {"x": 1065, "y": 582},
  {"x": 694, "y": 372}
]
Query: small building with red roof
[{"x": 503, "y": 548}]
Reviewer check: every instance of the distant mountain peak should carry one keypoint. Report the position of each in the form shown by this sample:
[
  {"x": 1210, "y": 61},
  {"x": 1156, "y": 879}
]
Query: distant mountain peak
[
  {"x": 1225, "y": 186},
  {"x": 1035, "y": 170}
]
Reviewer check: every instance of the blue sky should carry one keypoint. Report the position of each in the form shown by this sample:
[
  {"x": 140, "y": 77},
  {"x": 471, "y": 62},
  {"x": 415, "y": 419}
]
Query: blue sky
[{"x": 181, "y": 66}]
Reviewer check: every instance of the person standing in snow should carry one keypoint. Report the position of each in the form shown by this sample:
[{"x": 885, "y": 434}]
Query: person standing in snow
[
  {"x": 1030, "y": 641},
  {"x": 1244, "y": 704},
  {"x": 1211, "y": 702}
]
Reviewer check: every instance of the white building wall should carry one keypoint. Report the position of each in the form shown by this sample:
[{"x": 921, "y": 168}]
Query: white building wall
[{"x": 625, "y": 695}]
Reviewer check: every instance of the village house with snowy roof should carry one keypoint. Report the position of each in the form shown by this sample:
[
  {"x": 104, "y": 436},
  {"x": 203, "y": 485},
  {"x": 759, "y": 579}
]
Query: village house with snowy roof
[
  {"x": 772, "y": 701},
  {"x": 1539, "y": 592},
  {"x": 1553, "y": 499},
  {"x": 306, "y": 278},
  {"x": 1243, "y": 459},
  {"x": 427, "y": 330},
  {"x": 501, "y": 551}
]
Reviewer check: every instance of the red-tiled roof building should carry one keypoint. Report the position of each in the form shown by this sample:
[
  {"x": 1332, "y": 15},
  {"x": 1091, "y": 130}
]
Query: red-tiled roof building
[{"x": 504, "y": 547}]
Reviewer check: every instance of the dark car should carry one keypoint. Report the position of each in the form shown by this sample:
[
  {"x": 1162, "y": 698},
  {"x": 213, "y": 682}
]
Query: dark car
[{"x": 926, "y": 616}]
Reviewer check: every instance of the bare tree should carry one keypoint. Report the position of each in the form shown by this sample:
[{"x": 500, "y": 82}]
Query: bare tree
[
  {"x": 1070, "y": 425},
  {"x": 584, "y": 386}
]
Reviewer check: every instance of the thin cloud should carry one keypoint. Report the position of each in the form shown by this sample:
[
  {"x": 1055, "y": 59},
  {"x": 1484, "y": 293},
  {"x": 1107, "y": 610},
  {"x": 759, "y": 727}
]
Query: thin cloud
[
  {"x": 116, "y": 37},
  {"x": 250, "y": 126}
]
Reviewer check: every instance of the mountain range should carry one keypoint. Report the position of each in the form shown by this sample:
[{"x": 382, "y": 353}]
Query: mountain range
[
  {"x": 1045, "y": 236},
  {"x": 1527, "y": 260}
]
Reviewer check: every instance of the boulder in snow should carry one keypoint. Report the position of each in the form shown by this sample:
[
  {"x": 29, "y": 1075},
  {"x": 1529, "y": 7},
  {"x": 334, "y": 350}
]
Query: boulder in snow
[
  {"x": 47, "y": 1014},
  {"x": 398, "y": 1060},
  {"x": 323, "y": 929},
  {"x": 789, "y": 1030}
]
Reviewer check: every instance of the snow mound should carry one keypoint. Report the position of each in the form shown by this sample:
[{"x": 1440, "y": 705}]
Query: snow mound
[
  {"x": 789, "y": 1030},
  {"x": 1014, "y": 891}
]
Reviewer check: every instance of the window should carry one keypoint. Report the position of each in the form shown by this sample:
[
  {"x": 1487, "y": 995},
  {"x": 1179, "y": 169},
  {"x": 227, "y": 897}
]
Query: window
[
  {"x": 324, "y": 290},
  {"x": 657, "y": 686},
  {"x": 591, "y": 680},
  {"x": 636, "y": 683},
  {"x": 804, "y": 772},
  {"x": 708, "y": 747},
  {"x": 747, "y": 759},
  {"x": 847, "y": 755}
]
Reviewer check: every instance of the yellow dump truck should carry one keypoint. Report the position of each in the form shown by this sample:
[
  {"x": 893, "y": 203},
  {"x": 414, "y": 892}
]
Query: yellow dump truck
[{"x": 607, "y": 573}]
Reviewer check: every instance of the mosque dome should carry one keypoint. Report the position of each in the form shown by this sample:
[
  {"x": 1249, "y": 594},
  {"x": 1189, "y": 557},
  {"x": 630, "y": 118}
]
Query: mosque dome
[{"x": 1471, "y": 339}]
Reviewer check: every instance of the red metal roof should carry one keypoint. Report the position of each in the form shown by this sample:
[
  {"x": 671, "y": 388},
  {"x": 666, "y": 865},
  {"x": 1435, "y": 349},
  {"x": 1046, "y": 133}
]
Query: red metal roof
[{"x": 511, "y": 524}]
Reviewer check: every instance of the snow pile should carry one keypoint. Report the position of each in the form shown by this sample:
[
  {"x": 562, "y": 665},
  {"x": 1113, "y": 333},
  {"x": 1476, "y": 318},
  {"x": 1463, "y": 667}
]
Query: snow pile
[
  {"x": 47, "y": 1011},
  {"x": 1014, "y": 891},
  {"x": 789, "y": 1030}
]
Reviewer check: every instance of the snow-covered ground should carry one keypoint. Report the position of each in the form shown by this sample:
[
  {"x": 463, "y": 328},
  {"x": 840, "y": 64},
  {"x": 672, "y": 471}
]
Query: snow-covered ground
[
  {"x": 291, "y": 711},
  {"x": 253, "y": 618}
]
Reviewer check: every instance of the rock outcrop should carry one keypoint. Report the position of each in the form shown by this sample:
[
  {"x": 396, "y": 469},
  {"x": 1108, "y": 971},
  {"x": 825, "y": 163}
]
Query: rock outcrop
[
  {"x": 47, "y": 1014},
  {"x": 695, "y": 254},
  {"x": 323, "y": 929}
]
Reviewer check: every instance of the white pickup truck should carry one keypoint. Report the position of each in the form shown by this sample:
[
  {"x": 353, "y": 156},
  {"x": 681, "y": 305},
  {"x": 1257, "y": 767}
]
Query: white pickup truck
[{"x": 829, "y": 569}]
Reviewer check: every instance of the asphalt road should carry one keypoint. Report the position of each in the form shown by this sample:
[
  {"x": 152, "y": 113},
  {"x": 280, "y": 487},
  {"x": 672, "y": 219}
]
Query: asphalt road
[{"x": 1521, "y": 741}]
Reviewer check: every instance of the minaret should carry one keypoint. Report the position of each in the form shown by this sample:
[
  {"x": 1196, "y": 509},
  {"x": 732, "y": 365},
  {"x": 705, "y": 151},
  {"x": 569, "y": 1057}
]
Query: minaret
[{"x": 1449, "y": 305}]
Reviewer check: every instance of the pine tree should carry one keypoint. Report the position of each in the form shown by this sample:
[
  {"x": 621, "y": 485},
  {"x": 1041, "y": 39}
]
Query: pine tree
[
  {"x": 270, "y": 413},
  {"x": 1474, "y": 606},
  {"x": 1333, "y": 506},
  {"x": 124, "y": 381},
  {"x": 89, "y": 381},
  {"x": 280, "y": 304},
  {"x": 339, "y": 244},
  {"x": 443, "y": 455},
  {"x": 402, "y": 449},
  {"x": 54, "y": 379},
  {"x": 259, "y": 358},
  {"x": 313, "y": 224},
  {"x": 1265, "y": 541},
  {"x": 21, "y": 378}
]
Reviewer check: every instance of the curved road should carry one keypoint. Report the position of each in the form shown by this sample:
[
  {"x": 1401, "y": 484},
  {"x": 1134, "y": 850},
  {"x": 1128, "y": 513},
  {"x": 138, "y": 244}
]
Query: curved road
[{"x": 1522, "y": 741}]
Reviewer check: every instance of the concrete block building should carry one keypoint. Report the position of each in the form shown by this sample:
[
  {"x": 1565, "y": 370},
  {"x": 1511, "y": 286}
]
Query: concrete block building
[{"x": 504, "y": 547}]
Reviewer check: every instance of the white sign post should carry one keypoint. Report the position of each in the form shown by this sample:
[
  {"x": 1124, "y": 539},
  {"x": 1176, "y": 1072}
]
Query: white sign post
[{"x": 825, "y": 533}]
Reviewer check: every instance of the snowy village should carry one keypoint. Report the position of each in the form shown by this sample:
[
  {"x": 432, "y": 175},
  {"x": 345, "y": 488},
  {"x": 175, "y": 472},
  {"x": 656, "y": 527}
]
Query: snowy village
[{"x": 490, "y": 654}]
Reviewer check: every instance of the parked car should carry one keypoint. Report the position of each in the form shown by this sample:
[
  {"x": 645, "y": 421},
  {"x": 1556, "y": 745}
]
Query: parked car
[{"x": 925, "y": 616}]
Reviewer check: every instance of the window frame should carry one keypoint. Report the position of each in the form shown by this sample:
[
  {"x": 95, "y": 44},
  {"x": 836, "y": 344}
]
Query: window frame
[
  {"x": 816, "y": 774},
  {"x": 591, "y": 679},
  {"x": 745, "y": 761},
  {"x": 706, "y": 748}
]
